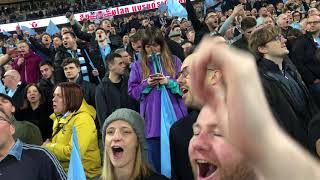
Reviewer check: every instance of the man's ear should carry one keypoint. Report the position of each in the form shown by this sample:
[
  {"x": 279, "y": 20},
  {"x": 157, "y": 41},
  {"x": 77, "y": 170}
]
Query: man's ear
[
  {"x": 12, "y": 129},
  {"x": 262, "y": 50},
  {"x": 13, "y": 109}
]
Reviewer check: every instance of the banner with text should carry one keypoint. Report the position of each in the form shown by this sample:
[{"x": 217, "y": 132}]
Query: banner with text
[{"x": 91, "y": 15}]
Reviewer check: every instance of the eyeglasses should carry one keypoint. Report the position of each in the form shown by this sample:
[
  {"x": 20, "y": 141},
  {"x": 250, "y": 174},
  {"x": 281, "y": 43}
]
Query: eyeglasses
[
  {"x": 313, "y": 22},
  {"x": 184, "y": 73}
]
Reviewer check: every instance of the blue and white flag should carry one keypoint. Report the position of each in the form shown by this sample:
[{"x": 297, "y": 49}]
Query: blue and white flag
[
  {"x": 76, "y": 171},
  {"x": 168, "y": 118},
  {"x": 31, "y": 32},
  {"x": 176, "y": 9},
  {"x": 52, "y": 28}
]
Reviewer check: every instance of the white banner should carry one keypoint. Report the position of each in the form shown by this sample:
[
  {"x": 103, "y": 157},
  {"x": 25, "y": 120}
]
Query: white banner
[{"x": 91, "y": 15}]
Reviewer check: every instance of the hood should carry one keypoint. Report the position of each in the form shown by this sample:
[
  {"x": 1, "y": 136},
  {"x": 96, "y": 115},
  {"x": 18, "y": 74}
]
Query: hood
[{"x": 85, "y": 107}]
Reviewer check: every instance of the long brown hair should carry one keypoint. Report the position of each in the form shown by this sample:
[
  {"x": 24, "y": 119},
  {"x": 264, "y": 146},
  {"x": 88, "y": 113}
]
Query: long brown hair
[
  {"x": 26, "y": 103},
  {"x": 153, "y": 35}
]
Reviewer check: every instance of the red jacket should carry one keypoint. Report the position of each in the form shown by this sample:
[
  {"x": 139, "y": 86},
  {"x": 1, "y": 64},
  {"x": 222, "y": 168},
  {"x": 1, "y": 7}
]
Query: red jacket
[{"x": 29, "y": 70}]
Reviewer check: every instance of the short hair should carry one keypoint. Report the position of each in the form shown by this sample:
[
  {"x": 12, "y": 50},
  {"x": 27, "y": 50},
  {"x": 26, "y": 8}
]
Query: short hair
[
  {"x": 248, "y": 22},
  {"x": 112, "y": 56},
  {"x": 46, "y": 62},
  {"x": 43, "y": 34},
  {"x": 72, "y": 95},
  {"x": 262, "y": 36},
  {"x": 69, "y": 60},
  {"x": 72, "y": 34},
  {"x": 14, "y": 73},
  {"x": 57, "y": 36},
  {"x": 279, "y": 17},
  {"x": 103, "y": 20},
  {"x": 100, "y": 28},
  {"x": 120, "y": 50},
  {"x": 137, "y": 36},
  {"x": 23, "y": 42}
]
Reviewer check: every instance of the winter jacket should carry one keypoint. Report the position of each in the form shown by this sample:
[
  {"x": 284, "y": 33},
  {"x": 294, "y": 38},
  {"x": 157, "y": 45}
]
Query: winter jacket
[
  {"x": 285, "y": 106},
  {"x": 29, "y": 69},
  {"x": 61, "y": 145},
  {"x": 304, "y": 57},
  {"x": 109, "y": 98}
]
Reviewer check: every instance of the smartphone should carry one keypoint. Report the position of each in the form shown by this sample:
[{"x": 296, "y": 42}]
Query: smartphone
[{"x": 154, "y": 75}]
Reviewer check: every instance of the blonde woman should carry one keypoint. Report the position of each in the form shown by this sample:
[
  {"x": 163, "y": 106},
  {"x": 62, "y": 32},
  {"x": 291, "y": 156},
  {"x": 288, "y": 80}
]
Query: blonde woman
[{"x": 125, "y": 148}]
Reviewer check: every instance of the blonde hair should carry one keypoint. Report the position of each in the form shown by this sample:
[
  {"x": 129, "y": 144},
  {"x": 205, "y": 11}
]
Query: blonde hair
[
  {"x": 140, "y": 169},
  {"x": 151, "y": 36}
]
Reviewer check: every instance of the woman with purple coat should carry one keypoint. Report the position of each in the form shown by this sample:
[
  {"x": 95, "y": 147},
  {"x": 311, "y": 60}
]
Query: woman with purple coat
[{"x": 156, "y": 67}]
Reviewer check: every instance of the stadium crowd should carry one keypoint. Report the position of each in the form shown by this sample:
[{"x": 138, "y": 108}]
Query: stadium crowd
[{"x": 231, "y": 92}]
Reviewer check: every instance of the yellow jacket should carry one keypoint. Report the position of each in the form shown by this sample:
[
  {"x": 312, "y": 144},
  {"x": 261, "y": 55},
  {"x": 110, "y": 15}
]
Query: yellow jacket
[{"x": 61, "y": 145}]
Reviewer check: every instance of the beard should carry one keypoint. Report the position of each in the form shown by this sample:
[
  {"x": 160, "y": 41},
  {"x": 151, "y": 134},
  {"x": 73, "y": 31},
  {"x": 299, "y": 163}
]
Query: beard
[{"x": 241, "y": 171}]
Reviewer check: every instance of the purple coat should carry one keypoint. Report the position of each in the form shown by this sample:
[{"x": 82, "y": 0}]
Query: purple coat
[
  {"x": 150, "y": 104},
  {"x": 29, "y": 70}
]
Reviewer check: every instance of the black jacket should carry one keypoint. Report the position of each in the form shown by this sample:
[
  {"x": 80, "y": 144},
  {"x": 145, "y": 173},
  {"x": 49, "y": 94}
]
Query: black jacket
[
  {"x": 88, "y": 90},
  {"x": 39, "y": 117},
  {"x": 304, "y": 57},
  {"x": 91, "y": 37},
  {"x": 97, "y": 59},
  {"x": 180, "y": 134},
  {"x": 284, "y": 104},
  {"x": 242, "y": 44},
  {"x": 61, "y": 55},
  {"x": 176, "y": 49},
  {"x": 49, "y": 52},
  {"x": 200, "y": 28},
  {"x": 109, "y": 98},
  {"x": 18, "y": 96},
  {"x": 46, "y": 86}
]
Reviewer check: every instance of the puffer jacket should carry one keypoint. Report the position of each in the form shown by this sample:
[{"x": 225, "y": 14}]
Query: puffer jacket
[{"x": 61, "y": 145}]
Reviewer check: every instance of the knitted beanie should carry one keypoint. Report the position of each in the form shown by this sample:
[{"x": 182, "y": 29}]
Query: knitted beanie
[{"x": 135, "y": 120}]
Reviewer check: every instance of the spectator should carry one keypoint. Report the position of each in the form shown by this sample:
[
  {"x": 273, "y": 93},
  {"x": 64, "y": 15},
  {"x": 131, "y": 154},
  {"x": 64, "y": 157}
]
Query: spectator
[
  {"x": 283, "y": 23},
  {"x": 12, "y": 80},
  {"x": 72, "y": 50},
  {"x": 248, "y": 25},
  {"x": 33, "y": 162},
  {"x": 100, "y": 50},
  {"x": 127, "y": 59},
  {"x": 286, "y": 93},
  {"x": 70, "y": 110},
  {"x": 71, "y": 68},
  {"x": 45, "y": 47},
  {"x": 47, "y": 82},
  {"x": 263, "y": 13},
  {"x": 112, "y": 93},
  {"x": 146, "y": 75},
  {"x": 36, "y": 110},
  {"x": 27, "y": 64},
  {"x": 211, "y": 155},
  {"x": 125, "y": 154},
  {"x": 24, "y": 130},
  {"x": 266, "y": 148},
  {"x": 304, "y": 56}
]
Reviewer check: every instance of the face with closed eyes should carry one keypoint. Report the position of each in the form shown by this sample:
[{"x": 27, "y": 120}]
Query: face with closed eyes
[{"x": 211, "y": 156}]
